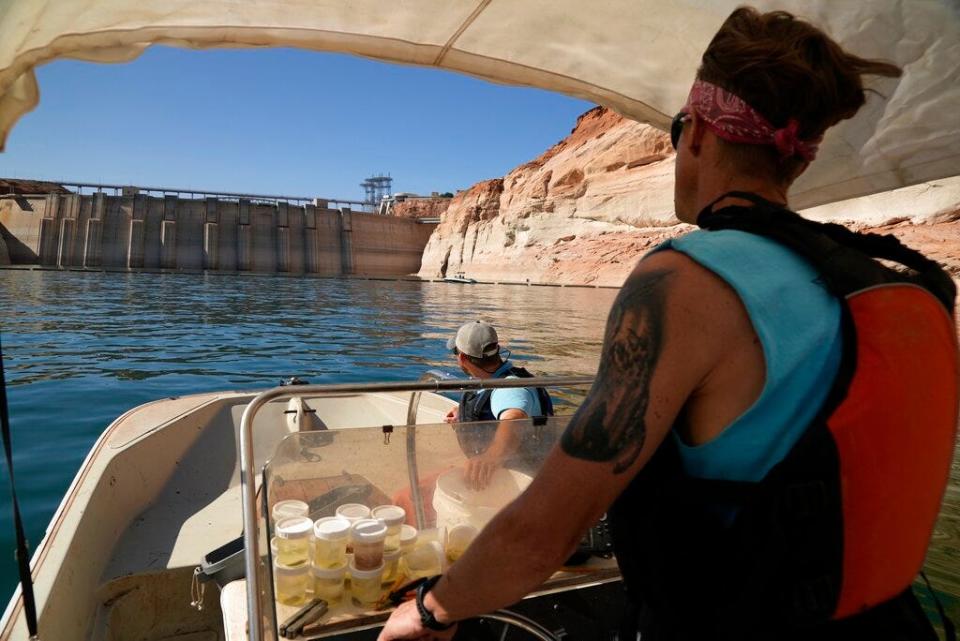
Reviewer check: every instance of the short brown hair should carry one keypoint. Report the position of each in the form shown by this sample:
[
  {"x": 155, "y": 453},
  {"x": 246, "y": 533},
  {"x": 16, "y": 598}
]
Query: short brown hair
[
  {"x": 485, "y": 362},
  {"x": 785, "y": 68}
]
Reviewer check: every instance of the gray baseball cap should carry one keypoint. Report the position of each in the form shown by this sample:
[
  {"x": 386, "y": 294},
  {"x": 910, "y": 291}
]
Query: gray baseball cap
[{"x": 477, "y": 339}]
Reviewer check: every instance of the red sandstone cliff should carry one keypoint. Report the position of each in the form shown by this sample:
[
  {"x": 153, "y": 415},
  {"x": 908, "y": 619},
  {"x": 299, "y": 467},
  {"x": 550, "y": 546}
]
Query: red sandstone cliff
[
  {"x": 591, "y": 205},
  {"x": 571, "y": 215},
  {"x": 27, "y": 186},
  {"x": 427, "y": 207}
]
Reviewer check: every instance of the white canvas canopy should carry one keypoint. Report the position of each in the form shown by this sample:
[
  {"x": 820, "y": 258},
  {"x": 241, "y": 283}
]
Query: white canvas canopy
[{"x": 635, "y": 56}]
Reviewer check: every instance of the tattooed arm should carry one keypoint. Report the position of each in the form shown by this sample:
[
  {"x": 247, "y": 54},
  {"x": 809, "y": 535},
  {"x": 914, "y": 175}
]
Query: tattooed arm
[
  {"x": 660, "y": 343},
  {"x": 611, "y": 423}
]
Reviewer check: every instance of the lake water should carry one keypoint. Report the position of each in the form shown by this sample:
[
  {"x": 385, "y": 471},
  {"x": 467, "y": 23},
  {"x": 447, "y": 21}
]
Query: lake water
[{"x": 82, "y": 348}]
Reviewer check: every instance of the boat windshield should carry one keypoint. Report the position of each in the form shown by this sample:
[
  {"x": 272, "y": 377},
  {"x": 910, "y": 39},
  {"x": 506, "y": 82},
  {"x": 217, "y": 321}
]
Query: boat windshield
[{"x": 373, "y": 467}]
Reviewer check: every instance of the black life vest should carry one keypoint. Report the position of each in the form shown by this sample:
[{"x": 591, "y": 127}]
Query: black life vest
[
  {"x": 827, "y": 545},
  {"x": 475, "y": 407}
]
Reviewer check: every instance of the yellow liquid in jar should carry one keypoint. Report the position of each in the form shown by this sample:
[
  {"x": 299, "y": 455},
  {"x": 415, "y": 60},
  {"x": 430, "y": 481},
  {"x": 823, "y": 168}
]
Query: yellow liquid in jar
[
  {"x": 421, "y": 562},
  {"x": 293, "y": 551},
  {"x": 330, "y": 553},
  {"x": 366, "y": 592},
  {"x": 392, "y": 542},
  {"x": 458, "y": 540},
  {"x": 330, "y": 590},
  {"x": 453, "y": 554},
  {"x": 391, "y": 570},
  {"x": 292, "y": 588}
]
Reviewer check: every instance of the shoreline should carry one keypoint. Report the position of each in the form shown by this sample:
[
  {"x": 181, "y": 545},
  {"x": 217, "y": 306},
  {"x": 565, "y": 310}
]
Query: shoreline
[{"x": 407, "y": 279}]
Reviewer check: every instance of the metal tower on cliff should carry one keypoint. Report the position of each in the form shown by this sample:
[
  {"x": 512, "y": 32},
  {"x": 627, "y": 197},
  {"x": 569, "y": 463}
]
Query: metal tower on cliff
[{"x": 375, "y": 188}]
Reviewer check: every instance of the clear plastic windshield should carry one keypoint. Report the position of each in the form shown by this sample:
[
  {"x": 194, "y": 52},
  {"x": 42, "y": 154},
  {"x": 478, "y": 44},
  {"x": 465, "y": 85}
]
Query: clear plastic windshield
[{"x": 465, "y": 474}]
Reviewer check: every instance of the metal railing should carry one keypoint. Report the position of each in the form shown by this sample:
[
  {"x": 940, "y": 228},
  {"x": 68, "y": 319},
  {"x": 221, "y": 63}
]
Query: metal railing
[
  {"x": 248, "y": 490},
  {"x": 413, "y": 476},
  {"x": 203, "y": 193}
]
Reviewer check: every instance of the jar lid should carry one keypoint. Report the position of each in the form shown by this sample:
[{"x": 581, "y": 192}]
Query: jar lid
[
  {"x": 353, "y": 511},
  {"x": 291, "y": 570},
  {"x": 368, "y": 531},
  {"x": 375, "y": 573},
  {"x": 336, "y": 572},
  {"x": 296, "y": 527},
  {"x": 331, "y": 528},
  {"x": 408, "y": 534},
  {"x": 392, "y": 515},
  {"x": 286, "y": 509}
]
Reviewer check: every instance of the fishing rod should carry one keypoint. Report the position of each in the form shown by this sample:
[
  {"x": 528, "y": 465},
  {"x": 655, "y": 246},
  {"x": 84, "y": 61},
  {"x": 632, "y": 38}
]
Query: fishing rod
[{"x": 23, "y": 550}]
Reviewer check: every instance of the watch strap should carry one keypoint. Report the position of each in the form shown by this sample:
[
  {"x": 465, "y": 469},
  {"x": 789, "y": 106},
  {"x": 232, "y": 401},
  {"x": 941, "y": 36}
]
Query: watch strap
[{"x": 426, "y": 616}]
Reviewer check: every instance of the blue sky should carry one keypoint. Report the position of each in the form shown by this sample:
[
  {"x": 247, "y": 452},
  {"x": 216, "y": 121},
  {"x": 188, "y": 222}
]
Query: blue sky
[{"x": 278, "y": 121}]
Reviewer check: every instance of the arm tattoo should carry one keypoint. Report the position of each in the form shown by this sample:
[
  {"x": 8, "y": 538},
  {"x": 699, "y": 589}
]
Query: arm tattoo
[{"x": 610, "y": 425}]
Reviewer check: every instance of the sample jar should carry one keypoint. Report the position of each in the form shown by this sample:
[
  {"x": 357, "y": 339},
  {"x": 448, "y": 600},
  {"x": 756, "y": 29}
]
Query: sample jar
[
  {"x": 391, "y": 566},
  {"x": 365, "y": 585},
  {"x": 330, "y": 536},
  {"x": 293, "y": 540},
  {"x": 367, "y": 537},
  {"x": 288, "y": 509},
  {"x": 458, "y": 540},
  {"x": 392, "y": 516},
  {"x": 353, "y": 512},
  {"x": 408, "y": 537},
  {"x": 328, "y": 583},
  {"x": 422, "y": 561},
  {"x": 290, "y": 583}
]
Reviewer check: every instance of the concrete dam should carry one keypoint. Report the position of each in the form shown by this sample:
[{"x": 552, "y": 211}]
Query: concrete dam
[{"x": 140, "y": 231}]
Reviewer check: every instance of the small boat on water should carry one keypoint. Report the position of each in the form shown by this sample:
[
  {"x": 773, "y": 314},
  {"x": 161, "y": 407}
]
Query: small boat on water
[
  {"x": 459, "y": 277},
  {"x": 164, "y": 487}
]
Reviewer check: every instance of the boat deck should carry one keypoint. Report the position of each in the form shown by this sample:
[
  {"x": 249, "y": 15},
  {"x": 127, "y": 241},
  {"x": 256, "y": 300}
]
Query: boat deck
[{"x": 199, "y": 508}]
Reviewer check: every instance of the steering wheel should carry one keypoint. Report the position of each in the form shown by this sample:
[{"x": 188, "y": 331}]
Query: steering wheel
[{"x": 513, "y": 622}]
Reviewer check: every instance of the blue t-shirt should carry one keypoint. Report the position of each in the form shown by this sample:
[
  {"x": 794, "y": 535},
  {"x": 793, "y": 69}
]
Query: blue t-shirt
[
  {"x": 798, "y": 323},
  {"x": 521, "y": 398}
]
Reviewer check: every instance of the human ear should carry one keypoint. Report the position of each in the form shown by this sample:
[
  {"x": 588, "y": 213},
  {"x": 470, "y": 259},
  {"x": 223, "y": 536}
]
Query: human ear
[{"x": 695, "y": 130}]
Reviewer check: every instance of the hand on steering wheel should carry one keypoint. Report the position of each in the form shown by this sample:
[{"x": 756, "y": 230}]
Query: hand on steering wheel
[{"x": 404, "y": 623}]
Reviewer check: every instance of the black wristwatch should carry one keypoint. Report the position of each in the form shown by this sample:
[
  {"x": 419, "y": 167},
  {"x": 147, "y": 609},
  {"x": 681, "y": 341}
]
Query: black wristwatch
[{"x": 426, "y": 616}]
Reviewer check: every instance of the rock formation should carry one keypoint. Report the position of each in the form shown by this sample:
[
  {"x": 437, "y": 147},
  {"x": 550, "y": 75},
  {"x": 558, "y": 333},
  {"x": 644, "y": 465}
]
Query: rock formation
[
  {"x": 29, "y": 186},
  {"x": 591, "y": 205},
  {"x": 425, "y": 207},
  {"x": 571, "y": 215}
]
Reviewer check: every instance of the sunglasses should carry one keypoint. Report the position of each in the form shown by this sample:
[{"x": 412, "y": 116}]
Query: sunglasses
[{"x": 676, "y": 127}]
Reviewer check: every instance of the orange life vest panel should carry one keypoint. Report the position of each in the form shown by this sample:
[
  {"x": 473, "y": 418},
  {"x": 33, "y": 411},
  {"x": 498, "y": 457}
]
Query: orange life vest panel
[{"x": 894, "y": 434}]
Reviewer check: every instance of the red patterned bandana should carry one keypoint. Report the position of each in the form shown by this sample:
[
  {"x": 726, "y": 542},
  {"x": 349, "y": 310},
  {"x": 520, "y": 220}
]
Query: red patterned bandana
[{"x": 730, "y": 118}]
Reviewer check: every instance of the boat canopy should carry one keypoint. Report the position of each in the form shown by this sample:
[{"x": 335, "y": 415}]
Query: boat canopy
[{"x": 637, "y": 57}]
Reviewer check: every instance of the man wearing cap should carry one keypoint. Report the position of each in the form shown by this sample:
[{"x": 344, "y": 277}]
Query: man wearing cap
[{"x": 477, "y": 348}]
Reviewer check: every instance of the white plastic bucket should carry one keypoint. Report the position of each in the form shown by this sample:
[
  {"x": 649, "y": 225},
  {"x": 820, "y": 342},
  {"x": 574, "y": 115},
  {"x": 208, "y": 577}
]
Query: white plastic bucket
[{"x": 457, "y": 504}]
